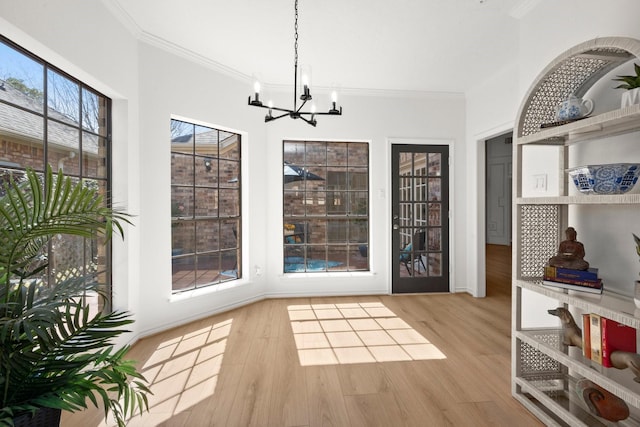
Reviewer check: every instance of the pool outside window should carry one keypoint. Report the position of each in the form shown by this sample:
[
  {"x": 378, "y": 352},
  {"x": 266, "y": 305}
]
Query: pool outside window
[{"x": 325, "y": 206}]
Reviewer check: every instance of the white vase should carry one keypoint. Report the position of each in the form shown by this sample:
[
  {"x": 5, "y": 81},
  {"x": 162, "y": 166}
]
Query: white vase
[
  {"x": 636, "y": 294},
  {"x": 630, "y": 97}
]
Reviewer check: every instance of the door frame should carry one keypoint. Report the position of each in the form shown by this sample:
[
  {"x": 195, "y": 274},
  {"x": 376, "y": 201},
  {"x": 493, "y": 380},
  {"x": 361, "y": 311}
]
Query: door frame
[
  {"x": 478, "y": 223},
  {"x": 452, "y": 243}
]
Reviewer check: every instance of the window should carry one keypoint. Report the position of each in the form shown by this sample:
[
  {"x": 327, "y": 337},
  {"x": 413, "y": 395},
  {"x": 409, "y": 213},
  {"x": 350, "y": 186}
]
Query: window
[
  {"x": 49, "y": 117},
  {"x": 326, "y": 206},
  {"x": 205, "y": 206}
]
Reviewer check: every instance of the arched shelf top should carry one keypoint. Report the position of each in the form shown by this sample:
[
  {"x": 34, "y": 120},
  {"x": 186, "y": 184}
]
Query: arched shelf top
[{"x": 572, "y": 72}]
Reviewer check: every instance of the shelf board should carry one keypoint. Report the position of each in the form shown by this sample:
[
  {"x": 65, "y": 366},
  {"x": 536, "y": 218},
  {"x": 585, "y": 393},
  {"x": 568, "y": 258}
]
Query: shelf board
[
  {"x": 585, "y": 199},
  {"x": 540, "y": 340},
  {"x": 606, "y": 124},
  {"x": 559, "y": 403},
  {"x": 610, "y": 304}
]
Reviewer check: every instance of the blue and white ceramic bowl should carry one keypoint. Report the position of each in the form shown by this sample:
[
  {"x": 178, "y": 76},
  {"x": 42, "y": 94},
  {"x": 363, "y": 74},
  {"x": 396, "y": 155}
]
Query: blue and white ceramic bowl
[{"x": 612, "y": 178}]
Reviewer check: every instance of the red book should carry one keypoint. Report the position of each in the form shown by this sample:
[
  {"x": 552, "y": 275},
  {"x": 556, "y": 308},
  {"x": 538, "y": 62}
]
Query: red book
[{"x": 616, "y": 336}]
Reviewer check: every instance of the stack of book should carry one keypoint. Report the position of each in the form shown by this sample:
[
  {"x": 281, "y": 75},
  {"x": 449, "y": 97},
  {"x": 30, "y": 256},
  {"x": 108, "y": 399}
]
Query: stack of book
[
  {"x": 576, "y": 280},
  {"x": 602, "y": 336}
]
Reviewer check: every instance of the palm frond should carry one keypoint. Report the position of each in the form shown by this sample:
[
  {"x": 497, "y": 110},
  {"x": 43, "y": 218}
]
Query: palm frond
[{"x": 56, "y": 352}]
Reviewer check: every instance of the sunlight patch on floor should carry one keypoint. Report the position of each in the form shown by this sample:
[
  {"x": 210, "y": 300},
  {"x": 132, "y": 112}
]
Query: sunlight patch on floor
[
  {"x": 329, "y": 334},
  {"x": 182, "y": 372}
]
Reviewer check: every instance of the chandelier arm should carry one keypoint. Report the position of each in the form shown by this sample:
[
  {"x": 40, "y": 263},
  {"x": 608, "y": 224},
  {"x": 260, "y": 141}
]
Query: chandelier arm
[
  {"x": 300, "y": 107},
  {"x": 286, "y": 110},
  {"x": 325, "y": 113},
  {"x": 310, "y": 122},
  {"x": 270, "y": 119}
]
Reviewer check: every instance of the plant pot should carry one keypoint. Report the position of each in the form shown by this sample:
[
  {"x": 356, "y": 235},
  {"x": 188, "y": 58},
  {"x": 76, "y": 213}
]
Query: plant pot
[
  {"x": 43, "y": 417},
  {"x": 630, "y": 97}
]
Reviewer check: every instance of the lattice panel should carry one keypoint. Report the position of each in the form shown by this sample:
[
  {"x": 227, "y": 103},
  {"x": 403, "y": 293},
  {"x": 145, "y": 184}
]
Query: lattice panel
[
  {"x": 535, "y": 362},
  {"x": 540, "y": 228},
  {"x": 566, "y": 79},
  {"x": 551, "y": 339}
]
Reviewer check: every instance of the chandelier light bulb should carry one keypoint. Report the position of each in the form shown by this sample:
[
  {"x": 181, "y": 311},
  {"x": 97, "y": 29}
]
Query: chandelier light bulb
[
  {"x": 334, "y": 96},
  {"x": 256, "y": 87}
]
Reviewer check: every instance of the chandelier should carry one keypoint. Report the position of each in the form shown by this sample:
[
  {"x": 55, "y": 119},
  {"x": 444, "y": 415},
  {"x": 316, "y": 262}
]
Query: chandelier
[{"x": 295, "y": 112}]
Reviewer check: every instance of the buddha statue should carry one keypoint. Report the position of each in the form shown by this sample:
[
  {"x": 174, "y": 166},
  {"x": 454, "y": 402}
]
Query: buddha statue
[{"x": 570, "y": 253}]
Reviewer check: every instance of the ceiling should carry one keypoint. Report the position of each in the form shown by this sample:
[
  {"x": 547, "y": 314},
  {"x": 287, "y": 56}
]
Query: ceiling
[{"x": 407, "y": 45}]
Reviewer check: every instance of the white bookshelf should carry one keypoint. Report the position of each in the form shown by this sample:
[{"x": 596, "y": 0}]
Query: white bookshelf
[{"x": 544, "y": 371}]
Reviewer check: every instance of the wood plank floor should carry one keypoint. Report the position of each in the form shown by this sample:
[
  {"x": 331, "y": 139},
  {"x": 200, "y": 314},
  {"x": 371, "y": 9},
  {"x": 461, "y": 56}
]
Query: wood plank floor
[{"x": 412, "y": 360}]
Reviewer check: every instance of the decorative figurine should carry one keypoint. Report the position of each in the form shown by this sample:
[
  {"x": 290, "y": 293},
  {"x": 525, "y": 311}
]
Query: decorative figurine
[
  {"x": 570, "y": 253},
  {"x": 601, "y": 402},
  {"x": 571, "y": 333}
]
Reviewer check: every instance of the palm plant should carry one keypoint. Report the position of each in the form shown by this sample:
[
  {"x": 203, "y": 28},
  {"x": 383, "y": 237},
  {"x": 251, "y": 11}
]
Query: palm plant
[
  {"x": 629, "y": 82},
  {"x": 56, "y": 353}
]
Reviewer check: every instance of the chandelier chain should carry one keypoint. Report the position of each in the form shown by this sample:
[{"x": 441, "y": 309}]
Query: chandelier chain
[{"x": 295, "y": 27}]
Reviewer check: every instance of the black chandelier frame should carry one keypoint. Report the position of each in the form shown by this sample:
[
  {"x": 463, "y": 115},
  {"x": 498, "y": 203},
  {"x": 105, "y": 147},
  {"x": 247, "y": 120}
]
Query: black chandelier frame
[{"x": 295, "y": 112}]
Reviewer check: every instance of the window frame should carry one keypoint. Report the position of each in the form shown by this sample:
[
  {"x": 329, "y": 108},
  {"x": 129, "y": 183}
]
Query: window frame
[
  {"x": 52, "y": 118},
  {"x": 299, "y": 250},
  {"x": 189, "y": 215}
]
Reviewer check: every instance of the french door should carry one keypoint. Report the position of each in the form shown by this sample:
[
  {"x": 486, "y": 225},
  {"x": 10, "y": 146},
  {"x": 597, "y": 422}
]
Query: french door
[{"x": 420, "y": 218}]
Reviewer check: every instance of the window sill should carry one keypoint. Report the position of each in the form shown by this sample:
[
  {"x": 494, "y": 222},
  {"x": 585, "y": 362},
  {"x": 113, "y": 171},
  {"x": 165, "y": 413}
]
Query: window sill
[
  {"x": 325, "y": 274},
  {"x": 199, "y": 292}
]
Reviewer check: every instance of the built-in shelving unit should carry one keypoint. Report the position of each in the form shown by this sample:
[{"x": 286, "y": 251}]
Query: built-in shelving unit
[
  {"x": 603, "y": 125},
  {"x": 544, "y": 371}
]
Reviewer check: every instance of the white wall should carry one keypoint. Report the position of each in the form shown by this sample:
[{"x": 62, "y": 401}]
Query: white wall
[
  {"x": 546, "y": 31},
  {"x": 148, "y": 85}
]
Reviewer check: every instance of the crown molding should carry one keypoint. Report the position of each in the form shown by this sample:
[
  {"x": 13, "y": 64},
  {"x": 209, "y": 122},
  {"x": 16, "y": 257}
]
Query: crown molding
[
  {"x": 144, "y": 37},
  {"x": 123, "y": 17},
  {"x": 192, "y": 56}
]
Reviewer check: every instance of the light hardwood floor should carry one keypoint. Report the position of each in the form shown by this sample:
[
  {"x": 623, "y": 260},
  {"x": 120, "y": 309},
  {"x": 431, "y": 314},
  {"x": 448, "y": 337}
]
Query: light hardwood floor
[{"x": 256, "y": 365}]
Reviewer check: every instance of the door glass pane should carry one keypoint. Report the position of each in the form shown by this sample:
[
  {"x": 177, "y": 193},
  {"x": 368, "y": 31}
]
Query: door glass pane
[
  {"x": 435, "y": 243},
  {"x": 435, "y": 164},
  {"x": 420, "y": 164},
  {"x": 435, "y": 265},
  {"x": 434, "y": 189},
  {"x": 434, "y": 214}
]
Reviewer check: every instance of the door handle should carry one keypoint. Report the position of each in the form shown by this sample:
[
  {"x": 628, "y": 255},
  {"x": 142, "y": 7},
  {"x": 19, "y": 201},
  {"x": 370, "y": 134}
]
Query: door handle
[{"x": 396, "y": 226}]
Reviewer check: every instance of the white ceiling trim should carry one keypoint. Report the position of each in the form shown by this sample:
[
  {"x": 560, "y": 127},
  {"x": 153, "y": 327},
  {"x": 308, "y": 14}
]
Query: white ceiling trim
[{"x": 123, "y": 17}]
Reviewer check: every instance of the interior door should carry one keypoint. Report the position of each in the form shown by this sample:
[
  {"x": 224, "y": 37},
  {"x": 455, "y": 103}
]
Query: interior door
[{"x": 420, "y": 218}]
